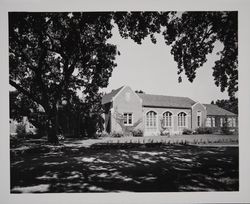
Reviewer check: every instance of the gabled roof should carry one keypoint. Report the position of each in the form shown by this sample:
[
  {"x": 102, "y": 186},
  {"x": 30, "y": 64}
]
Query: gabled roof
[
  {"x": 165, "y": 101},
  {"x": 108, "y": 97},
  {"x": 216, "y": 110}
]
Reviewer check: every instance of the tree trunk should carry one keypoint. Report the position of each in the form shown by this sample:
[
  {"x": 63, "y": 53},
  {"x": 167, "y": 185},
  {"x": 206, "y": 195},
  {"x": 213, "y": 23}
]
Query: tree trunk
[{"x": 52, "y": 131}]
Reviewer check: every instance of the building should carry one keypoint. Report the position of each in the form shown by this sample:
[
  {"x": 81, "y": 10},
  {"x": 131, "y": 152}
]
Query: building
[
  {"x": 26, "y": 125},
  {"x": 154, "y": 114}
]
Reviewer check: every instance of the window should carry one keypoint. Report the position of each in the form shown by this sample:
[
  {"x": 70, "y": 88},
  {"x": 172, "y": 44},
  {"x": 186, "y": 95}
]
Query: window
[
  {"x": 222, "y": 121},
  {"x": 182, "y": 119},
  {"x": 208, "y": 122},
  {"x": 234, "y": 122},
  {"x": 167, "y": 119},
  {"x": 128, "y": 119},
  {"x": 198, "y": 119},
  {"x": 151, "y": 119},
  {"x": 230, "y": 122},
  {"x": 213, "y": 121}
]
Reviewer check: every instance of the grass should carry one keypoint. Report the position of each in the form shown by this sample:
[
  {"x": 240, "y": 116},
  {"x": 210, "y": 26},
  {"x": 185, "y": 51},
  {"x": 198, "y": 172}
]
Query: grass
[{"x": 41, "y": 168}]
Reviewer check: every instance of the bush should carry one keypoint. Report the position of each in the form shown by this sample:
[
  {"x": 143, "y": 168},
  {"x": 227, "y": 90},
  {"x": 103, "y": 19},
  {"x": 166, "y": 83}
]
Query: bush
[
  {"x": 21, "y": 130},
  {"x": 204, "y": 130},
  {"x": 164, "y": 133},
  {"x": 226, "y": 130},
  {"x": 187, "y": 131},
  {"x": 102, "y": 135},
  {"x": 117, "y": 134},
  {"x": 137, "y": 133}
]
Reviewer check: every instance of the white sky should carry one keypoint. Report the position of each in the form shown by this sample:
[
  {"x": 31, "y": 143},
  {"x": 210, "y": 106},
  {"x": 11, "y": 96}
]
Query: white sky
[{"x": 151, "y": 68}]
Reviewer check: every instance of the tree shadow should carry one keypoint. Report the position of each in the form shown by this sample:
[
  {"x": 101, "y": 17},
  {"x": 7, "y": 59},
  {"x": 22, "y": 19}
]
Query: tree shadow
[{"x": 168, "y": 168}]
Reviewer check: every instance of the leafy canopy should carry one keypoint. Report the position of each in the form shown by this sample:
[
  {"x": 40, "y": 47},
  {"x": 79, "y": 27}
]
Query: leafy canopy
[{"x": 53, "y": 55}]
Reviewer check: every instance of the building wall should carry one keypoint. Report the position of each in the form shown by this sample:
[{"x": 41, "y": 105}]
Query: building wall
[
  {"x": 126, "y": 101},
  {"x": 175, "y": 129},
  {"x": 218, "y": 124},
  {"x": 29, "y": 128},
  {"x": 203, "y": 115}
]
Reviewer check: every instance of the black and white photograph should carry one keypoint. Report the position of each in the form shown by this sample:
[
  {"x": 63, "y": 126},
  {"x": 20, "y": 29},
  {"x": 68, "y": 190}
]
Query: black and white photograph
[{"x": 124, "y": 101}]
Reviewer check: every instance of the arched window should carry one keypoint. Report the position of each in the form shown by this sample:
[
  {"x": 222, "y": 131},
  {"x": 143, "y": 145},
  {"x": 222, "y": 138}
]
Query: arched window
[
  {"x": 167, "y": 119},
  {"x": 151, "y": 119},
  {"x": 182, "y": 119}
]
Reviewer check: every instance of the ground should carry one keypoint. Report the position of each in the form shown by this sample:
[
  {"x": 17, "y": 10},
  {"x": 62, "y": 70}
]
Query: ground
[{"x": 152, "y": 167}]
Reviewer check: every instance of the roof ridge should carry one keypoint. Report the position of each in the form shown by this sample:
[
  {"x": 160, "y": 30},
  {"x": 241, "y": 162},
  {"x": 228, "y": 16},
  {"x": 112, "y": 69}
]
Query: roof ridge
[{"x": 165, "y": 95}]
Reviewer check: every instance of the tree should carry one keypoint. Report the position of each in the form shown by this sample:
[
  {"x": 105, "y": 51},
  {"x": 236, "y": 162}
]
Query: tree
[
  {"x": 52, "y": 55},
  {"x": 139, "y": 91},
  {"x": 192, "y": 36}
]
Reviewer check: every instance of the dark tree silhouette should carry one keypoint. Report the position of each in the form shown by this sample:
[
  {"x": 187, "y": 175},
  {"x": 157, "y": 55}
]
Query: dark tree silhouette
[
  {"x": 52, "y": 55},
  {"x": 139, "y": 91}
]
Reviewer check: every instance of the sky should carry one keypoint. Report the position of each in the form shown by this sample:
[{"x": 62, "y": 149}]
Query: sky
[{"x": 151, "y": 68}]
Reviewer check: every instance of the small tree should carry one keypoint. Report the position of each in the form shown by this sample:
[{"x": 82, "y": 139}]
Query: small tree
[
  {"x": 225, "y": 128},
  {"x": 163, "y": 130}
]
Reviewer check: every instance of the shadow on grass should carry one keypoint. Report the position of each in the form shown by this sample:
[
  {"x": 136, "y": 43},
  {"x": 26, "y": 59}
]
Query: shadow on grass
[{"x": 156, "y": 168}]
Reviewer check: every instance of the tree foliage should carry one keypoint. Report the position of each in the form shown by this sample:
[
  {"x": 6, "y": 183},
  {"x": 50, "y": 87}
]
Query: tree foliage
[
  {"x": 192, "y": 36},
  {"x": 54, "y": 55}
]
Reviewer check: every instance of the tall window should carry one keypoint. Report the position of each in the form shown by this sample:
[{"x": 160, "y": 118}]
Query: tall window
[
  {"x": 222, "y": 121},
  {"x": 208, "y": 122},
  {"x": 182, "y": 119},
  {"x": 198, "y": 119},
  {"x": 230, "y": 122},
  {"x": 128, "y": 119},
  {"x": 213, "y": 121},
  {"x": 234, "y": 122},
  {"x": 167, "y": 119},
  {"x": 151, "y": 119}
]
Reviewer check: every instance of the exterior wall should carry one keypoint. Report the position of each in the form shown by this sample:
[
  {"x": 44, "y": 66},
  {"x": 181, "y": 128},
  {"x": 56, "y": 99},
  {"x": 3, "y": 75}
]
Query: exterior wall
[
  {"x": 217, "y": 125},
  {"x": 29, "y": 128},
  {"x": 107, "y": 117},
  {"x": 175, "y": 111},
  {"x": 126, "y": 101},
  {"x": 195, "y": 108}
]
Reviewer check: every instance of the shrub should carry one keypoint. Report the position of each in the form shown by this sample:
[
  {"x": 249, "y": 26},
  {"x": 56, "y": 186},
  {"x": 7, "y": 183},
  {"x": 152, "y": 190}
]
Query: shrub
[
  {"x": 164, "y": 133},
  {"x": 137, "y": 133},
  {"x": 204, "y": 130},
  {"x": 226, "y": 130},
  {"x": 102, "y": 135},
  {"x": 117, "y": 134},
  {"x": 21, "y": 130},
  {"x": 187, "y": 131}
]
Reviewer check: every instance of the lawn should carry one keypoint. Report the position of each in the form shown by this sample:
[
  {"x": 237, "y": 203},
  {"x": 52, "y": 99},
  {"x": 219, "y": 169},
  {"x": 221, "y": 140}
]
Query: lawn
[{"x": 41, "y": 168}]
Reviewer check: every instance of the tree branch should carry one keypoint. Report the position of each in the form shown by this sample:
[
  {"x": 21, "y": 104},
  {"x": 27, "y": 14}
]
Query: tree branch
[{"x": 25, "y": 92}]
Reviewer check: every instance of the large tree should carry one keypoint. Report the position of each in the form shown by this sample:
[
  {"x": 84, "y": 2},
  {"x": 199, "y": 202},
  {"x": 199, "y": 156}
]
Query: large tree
[{"x": 52, "y": 55}]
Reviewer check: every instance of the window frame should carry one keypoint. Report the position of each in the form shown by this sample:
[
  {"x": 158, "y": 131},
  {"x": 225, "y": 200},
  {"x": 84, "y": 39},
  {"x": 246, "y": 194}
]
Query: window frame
[
  {"x": 127, "y": 118},
  {"x": 198, "y": 118},
  {"x": 180, "y": 119},
  {"x": 167, "y": 117},
  {"x": 151, "y": 122}
]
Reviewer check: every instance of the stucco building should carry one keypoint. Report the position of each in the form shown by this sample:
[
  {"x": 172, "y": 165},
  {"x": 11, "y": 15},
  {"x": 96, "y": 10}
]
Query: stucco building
[{"x": 155, "y": 113}]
